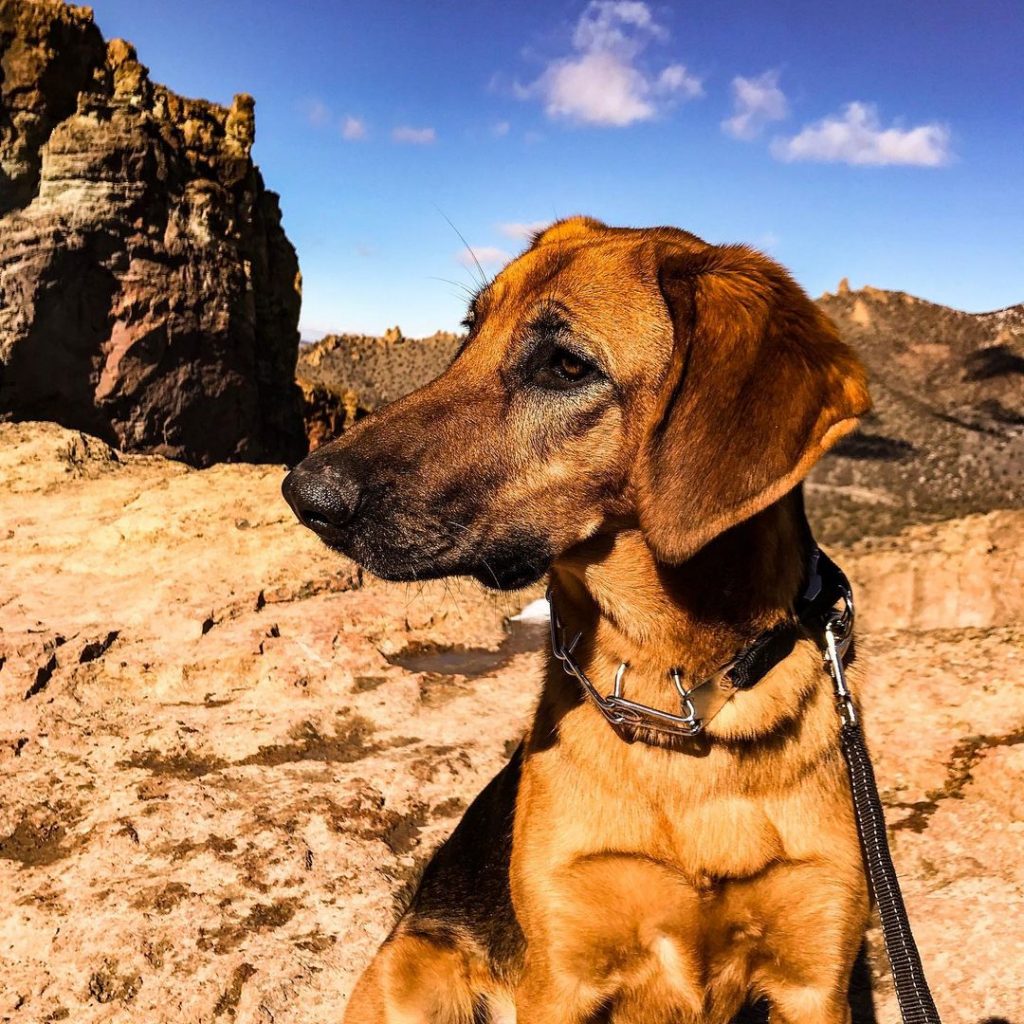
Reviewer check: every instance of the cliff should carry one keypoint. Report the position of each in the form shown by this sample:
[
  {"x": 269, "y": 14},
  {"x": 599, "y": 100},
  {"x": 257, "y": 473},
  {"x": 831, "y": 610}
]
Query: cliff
[{"x": 148, "y": 292}]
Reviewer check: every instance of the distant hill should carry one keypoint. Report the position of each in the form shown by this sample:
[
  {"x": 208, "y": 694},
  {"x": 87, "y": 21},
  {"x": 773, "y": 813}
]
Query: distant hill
[
  {"x": 946, "y": 436},
  {"x": 378, "y": 370},
  {"x": 345, "y": 376}
]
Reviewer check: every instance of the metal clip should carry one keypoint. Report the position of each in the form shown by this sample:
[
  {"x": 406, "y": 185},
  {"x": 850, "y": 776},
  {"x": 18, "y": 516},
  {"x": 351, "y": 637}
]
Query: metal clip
[
  {"x": 838, "y": 632},
  {"x": 619, "y": 709}
]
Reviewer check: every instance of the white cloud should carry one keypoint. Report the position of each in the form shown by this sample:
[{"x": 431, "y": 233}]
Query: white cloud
[
  {"x": 522, "y": 229},
  {"x": 353, "y": 129},
  {"x": 414, "y": 136},
  {"x": 676, "y": 79},
  {"x": 317, "y": 112},
  {"x": 500, "y": 129},
  {"x": 756, "y": 101},
  {"x": 856, "y": 136},
  {"x": 604, "y": 81},
  {"x": 486, "y": 255},
  {"x": 615, "y": 25}
]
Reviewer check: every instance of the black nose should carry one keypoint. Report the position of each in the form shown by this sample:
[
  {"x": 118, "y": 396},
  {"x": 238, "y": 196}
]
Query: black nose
[{"x": 324, "y": 500}]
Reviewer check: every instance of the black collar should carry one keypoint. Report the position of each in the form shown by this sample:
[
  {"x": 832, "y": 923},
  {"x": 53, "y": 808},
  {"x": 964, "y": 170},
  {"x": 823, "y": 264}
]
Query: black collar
[{"x": 825, "y": 586}]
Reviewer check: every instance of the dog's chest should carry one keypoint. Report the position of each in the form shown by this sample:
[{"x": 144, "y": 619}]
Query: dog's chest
[{"x": 696, "y": 816}]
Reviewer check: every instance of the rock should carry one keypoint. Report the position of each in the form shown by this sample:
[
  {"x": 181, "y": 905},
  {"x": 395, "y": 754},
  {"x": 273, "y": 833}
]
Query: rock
[
  {"x": 226, "y": 753},
  {"x": 929, "y": 577},
  {"x": 345, "y": 376},
  {"x": 148, "y": 293},
  {"x": 946, "y": 435},
  {"x": 207, "y": 760},
  {"x": 327, "y": 413}
]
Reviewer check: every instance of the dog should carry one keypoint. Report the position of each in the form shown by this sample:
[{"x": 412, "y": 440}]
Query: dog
[{"x": 632, "y": 412}]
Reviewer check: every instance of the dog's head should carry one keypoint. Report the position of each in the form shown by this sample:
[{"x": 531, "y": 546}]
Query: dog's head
[{"x": 611, "y": 379}]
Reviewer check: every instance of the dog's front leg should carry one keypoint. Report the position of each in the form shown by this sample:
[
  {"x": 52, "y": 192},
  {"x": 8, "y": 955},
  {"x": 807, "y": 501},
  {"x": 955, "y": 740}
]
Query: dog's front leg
[
  {"x": 818, "y": 914},
  {"x": 548, "y": 996},
  {"x": 610, "y": 938},
  {"x": 415, "y": 980},
  {"x": 810, "y": 1006}
]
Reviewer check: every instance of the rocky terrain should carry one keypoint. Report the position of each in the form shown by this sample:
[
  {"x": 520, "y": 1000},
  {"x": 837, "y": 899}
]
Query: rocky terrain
[
  {"x": 345, "y": 376},
  {"x": 148, "y": 293},
  {"x": 946, "y": 436},
  {"x": 226, "y": 753}
]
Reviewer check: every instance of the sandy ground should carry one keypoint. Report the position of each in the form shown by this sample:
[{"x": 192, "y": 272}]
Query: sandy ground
[{"x": 225, "y": 754}]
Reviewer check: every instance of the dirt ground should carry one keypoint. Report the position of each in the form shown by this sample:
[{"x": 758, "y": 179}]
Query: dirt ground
[{"x": 225, "y": 753}]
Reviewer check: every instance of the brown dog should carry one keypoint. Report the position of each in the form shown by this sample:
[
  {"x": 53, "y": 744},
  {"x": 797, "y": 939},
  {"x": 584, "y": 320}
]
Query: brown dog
[{"x": 633, "y": 410}]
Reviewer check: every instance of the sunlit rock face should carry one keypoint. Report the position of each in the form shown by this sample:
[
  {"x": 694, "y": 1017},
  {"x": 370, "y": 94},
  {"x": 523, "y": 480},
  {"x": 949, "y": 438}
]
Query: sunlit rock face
[
  {"x": 227, "y": 753},
  {"x": 148, "y": 293}
]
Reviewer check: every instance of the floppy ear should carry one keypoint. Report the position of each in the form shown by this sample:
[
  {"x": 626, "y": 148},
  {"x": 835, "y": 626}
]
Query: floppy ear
[{"x": 760, "y": 387}]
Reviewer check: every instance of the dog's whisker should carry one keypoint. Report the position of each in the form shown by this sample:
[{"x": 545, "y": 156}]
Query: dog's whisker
[
  {"x": 461, "y": 285},
  {"x": 484, "y": 280}
]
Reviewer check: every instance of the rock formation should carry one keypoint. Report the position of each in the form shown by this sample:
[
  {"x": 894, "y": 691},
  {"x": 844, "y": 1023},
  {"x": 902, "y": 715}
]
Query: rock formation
[{"x": 148, "y": 293}]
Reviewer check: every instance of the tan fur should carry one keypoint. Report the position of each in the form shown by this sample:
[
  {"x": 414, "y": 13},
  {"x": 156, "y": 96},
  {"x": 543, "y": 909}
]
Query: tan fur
[{"x": 663, "y": 883}]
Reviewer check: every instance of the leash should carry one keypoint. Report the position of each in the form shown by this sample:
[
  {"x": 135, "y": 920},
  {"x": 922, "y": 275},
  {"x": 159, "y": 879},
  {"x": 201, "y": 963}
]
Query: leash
[
  {"x": 911, "y": 985},
  {"x": 818, "y": 616}
]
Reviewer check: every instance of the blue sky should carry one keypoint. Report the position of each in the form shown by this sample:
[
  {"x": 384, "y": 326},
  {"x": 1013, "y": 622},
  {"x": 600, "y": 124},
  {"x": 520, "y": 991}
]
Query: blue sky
[{"x": 880, "y": 141}]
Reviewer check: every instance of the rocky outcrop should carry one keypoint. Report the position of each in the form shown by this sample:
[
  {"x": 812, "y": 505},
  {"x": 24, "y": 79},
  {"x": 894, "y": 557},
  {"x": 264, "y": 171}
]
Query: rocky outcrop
[
  {"x": 225, "y": 753},
  {"x": 148, "y": 293},
  {"x": 345, "y": 376},
  {"x": 327, "y": 413},
  {"x": 930, "y": 576},
  {"x": 946, "y": 434}
]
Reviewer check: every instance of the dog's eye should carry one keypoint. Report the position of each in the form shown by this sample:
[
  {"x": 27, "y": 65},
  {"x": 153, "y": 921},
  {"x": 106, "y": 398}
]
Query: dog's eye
[
  {"x": 564, "y": 369},
  {"x": 569, "y": 366}
]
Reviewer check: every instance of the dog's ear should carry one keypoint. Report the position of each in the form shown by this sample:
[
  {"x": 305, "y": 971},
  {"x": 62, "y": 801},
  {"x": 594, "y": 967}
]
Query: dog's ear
[
  {"x": 568, "y": 227},
  {"x": 759, "y": 388}
]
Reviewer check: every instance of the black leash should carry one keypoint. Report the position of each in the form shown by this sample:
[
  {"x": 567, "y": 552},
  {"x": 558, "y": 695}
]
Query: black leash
[{"x": 912, "y": 992}]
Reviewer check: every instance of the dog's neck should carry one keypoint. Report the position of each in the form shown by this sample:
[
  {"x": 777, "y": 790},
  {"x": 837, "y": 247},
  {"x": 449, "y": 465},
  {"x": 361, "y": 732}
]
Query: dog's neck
[{"x": 629, "y": 607}]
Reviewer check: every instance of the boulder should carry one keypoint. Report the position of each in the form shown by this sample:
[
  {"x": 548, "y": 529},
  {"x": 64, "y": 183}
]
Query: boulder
[{"x": 148, "y": 293}]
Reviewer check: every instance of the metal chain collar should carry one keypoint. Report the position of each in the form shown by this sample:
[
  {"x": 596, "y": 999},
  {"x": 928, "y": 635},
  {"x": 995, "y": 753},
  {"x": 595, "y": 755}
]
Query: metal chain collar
[
  {"x": 697, "y": 704},
  {"x": 700, "y": 703}
]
